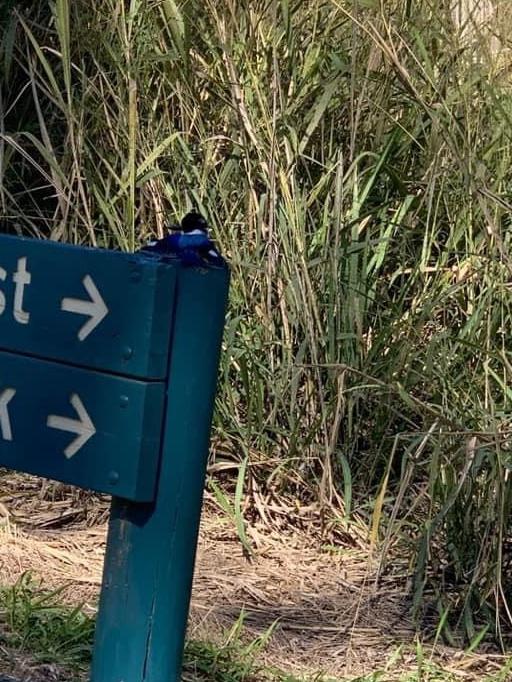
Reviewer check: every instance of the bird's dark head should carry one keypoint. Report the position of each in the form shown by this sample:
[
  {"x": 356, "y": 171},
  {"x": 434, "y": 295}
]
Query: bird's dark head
[{"x": 194, "y": 221}]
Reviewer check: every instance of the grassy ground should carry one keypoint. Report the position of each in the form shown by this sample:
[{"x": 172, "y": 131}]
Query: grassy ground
[
  {"x": 48, "y": 640},
  {"x": 44, "y": 638},
  {"x": 304, "y": 608}
]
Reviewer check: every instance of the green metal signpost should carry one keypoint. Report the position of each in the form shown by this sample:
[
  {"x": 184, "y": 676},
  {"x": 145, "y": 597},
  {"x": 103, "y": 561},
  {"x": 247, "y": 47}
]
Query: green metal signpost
[{"x": 108, "y": 365}]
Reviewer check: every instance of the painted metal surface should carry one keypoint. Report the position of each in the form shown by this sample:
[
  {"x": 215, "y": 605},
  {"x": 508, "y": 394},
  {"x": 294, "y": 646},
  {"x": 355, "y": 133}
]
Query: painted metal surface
[
  {"x": 80, "y": 426},
  {"x": 89, "y": 307}
]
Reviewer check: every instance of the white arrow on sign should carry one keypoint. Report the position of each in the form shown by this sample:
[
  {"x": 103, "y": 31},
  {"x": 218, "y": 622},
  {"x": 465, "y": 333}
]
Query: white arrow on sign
[
  {"x": 82, "y": 427},
  {"x": 5, "y": 423},
  {"x": 95, "y": 309}
]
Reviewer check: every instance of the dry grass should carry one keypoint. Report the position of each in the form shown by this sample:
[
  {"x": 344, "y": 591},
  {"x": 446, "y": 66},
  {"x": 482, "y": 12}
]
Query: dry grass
[{"x": 327, "y": 609}]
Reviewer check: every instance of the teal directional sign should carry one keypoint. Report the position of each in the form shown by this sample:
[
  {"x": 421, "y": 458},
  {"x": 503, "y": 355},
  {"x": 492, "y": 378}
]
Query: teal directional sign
[
  {"x": 84, "y": 353},
  {"x": 89, "y": 307},
  {"x": 108, "y": 365}
]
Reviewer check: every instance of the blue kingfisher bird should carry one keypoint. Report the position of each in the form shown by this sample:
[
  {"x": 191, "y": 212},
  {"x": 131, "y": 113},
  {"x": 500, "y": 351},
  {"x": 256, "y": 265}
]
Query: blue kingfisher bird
[{"x": 190, "y": 242}]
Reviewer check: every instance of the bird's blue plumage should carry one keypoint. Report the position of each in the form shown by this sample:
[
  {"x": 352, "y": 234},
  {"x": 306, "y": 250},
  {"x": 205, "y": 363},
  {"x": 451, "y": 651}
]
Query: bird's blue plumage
[{"x": 191, "y": 244}]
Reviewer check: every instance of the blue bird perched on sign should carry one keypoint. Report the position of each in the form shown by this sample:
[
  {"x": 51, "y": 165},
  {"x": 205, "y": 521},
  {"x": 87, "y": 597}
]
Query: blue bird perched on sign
[{"x": 190, "y": 242}]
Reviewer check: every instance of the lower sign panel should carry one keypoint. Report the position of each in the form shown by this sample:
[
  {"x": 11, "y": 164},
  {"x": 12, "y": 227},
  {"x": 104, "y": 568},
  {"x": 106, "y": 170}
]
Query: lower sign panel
[{"x": 79, "y": 426}]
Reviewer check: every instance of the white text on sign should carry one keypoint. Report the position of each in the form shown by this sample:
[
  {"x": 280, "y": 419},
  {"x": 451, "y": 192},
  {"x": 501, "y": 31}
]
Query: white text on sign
[
  {"x": 21, "y": 278},
  {"x": 94, "y": 308}
]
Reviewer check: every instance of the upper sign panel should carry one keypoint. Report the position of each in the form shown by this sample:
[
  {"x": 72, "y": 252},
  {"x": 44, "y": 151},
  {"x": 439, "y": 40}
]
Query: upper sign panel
[{"x": 90, "y": 307}]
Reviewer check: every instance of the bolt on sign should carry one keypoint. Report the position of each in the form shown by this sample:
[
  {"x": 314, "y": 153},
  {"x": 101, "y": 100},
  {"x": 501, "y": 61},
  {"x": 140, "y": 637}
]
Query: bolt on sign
[{"x": 108, "y": 365}]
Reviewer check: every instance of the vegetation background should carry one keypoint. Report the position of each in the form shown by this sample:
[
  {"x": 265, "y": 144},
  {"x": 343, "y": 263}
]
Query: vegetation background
[{"x": 354, "y": 160}]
